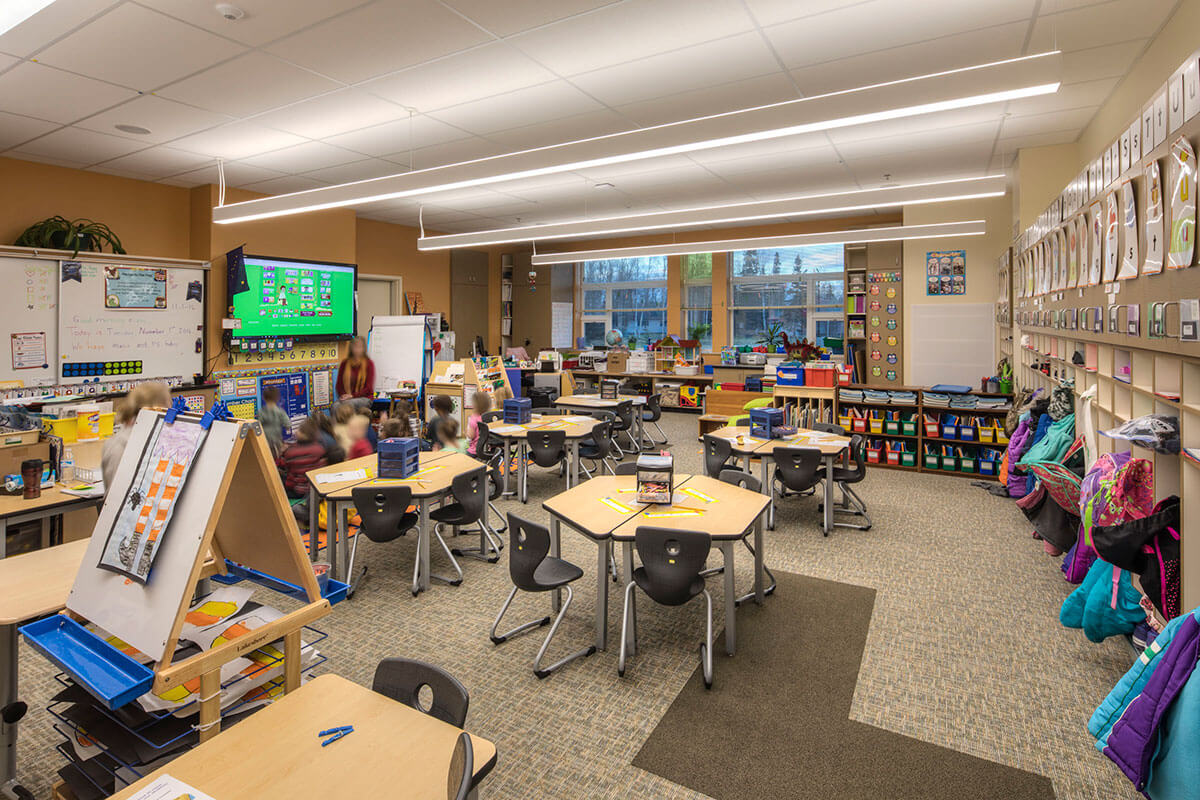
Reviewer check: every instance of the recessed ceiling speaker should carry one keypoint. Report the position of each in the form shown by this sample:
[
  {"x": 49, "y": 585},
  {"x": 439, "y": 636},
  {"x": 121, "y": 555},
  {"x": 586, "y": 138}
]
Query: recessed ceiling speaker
[{"x": 230, "y": 11}]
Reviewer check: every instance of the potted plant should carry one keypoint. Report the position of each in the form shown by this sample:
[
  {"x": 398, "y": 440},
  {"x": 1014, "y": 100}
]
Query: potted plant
[
  {"x": 772, "y": 337},
  {"x": 699, "y": 331},
  {"x": 60, "y": 233}
]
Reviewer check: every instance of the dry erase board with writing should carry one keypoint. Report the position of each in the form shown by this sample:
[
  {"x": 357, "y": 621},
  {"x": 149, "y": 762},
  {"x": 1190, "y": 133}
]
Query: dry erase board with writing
[
  {"x": 118, "y": 322},
  {"x": 29, "y": 306}
]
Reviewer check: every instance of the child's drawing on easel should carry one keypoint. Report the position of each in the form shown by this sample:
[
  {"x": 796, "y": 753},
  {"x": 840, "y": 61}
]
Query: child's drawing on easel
[{"x": 146, "y": 510}]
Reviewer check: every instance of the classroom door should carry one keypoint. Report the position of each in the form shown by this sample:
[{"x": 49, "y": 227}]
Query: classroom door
[
  {"x": 468, "y": 298},
  {"x": 376, "y": 298}
]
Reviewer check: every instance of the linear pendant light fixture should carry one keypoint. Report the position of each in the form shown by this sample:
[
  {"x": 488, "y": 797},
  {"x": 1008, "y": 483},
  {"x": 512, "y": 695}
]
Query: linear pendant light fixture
[
  {"x": 994, "y": 82},
  {"x": 14, "y": 12},
  {"x": 805, "y": 205},
  {"x": 892, "y": 233}
]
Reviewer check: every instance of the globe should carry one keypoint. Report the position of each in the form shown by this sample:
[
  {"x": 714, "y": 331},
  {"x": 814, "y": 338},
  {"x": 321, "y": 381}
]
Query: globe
[{"x": 614, "y": 338}]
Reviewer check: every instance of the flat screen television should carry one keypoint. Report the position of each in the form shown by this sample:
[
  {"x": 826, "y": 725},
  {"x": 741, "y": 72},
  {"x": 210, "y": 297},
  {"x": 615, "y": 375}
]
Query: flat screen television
[{"x": 292, "y": 298}]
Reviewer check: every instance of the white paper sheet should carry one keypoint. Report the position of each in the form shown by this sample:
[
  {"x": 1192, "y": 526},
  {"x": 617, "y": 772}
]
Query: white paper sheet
[{"x": 164, "y": 787}]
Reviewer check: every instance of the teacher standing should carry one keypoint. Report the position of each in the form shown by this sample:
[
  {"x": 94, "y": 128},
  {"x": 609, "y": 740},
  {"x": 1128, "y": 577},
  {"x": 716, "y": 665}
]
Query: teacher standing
[{"x": 356, "y": 373}]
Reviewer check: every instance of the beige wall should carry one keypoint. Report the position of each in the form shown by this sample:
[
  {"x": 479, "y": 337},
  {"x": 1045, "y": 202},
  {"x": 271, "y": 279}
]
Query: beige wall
[
  {"x": 386, "y": 249},
  {"x": 1040, "y": 175}
]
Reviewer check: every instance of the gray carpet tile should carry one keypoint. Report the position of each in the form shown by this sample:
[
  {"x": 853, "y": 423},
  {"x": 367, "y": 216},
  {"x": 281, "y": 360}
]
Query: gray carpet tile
[{"x": 964, "y": 649}]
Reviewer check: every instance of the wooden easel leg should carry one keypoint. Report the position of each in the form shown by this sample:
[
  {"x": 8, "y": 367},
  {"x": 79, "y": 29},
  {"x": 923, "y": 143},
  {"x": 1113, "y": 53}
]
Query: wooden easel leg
[
  {"x": 210, "y": 704},
  {"x": 291, "y": 661}
]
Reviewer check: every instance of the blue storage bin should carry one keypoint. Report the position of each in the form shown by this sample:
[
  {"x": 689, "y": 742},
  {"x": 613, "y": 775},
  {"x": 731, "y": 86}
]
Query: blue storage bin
[
  {"x": 105, "y": 672},
  {"x": 518, "y": 410},
  {"x": 398, "y": 457},
  {"x": 754, "y": 383},
  {"x": 334, "y": 591},
  {"x": 987, "y": 467},
  {"x": 764, "y": 422},
  {"x": 949, "y": 430},
  {"x": 966, "y": 433},
  {"x": 789, "y": 376}
]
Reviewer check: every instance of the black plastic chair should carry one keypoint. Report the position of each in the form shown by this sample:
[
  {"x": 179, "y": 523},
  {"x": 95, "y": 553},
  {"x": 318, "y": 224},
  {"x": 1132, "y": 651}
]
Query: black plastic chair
[
  {"x": 533, "y": 569},
  {"x": 844, "y": 476},
  {"x": 470, "y": 493},
  {"x": 402, "y": 679},
  {"x": 547, "y": 448},
  {"x": 747, "y": 481},
  {"x": 598, "y": 448},
  {"x": 797, "y": 470},
  {"x": 490, "y": 450},
  {"x": 624, "y": 424},
  {"x": 717, "y": 453},
  {"x": 626, "y": 469},
  {"x": 495, "y": 415},
  {"x": 829, "y": 427},
  {"x": 671, "y": 575},
  {"x": 462, "y": 769},
  {"x": 384, "y": 517},
  {"x": 652, "y": 413}
]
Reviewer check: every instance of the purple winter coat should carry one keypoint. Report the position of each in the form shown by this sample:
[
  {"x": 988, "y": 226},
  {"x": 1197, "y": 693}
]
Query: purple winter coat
[
  {"x": 1134, "y": 737},
  {"x": 1018, "y": 443}
]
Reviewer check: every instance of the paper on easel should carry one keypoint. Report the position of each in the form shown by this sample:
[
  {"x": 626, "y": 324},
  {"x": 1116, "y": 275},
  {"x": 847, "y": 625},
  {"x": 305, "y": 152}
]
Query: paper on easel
[
  {"x": 346, "y": 475},
  {"x": 164, "y": 787}
]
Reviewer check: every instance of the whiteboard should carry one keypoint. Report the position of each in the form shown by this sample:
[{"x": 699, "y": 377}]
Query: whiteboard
[
  {"x": 31, "y": 309},
  {"x": 143, "y": 615},
  {"x": 562, "y": 320},
  {"x": 397, "y": 346},
  {"x": 168, "y": 342},
  {"x": 951, "y": 343}
]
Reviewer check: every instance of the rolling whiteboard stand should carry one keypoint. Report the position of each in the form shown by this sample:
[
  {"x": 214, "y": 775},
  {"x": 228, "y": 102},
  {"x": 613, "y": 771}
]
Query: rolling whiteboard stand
[
  {"x": 399, "y": 347},
  {"x": 231, "y": 505}
]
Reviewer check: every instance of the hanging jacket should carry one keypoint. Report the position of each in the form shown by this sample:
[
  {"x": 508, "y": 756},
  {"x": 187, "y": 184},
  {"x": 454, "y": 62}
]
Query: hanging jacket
[
  {"x": 1149, "y": 548},
  {"x": 1058, "y": 437},
  {"x": 1135, "y": 737},
  {"x": 1018, "y": 443},
  {"x": 1104, "y": 605}
]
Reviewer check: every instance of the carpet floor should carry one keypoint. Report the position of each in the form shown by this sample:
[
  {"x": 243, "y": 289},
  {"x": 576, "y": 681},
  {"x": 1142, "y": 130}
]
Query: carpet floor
[{"x": 963, "y": 650}]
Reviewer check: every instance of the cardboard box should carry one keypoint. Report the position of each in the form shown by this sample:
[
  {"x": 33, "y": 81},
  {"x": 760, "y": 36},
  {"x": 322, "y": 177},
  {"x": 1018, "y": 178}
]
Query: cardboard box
[
  {"x": 12, "y": 456},
  {"x": 617, "y": 360}
]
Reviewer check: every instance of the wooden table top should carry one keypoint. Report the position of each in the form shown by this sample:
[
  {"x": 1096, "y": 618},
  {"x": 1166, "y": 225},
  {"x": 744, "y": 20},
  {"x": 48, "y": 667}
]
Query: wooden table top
[
  {"x": 13, "y": 504},
  {"x": 728, "y": 515},
  {"x": 394, "y": 750},
  {"x": 596, "y": 401},
  {"x": 37, "y": 583},
  {"x": 370, "y": 463},
  {"x": 583, "y": 506},
  {"x": 829, "y": 444},
  {"x": 433, "y": 476},
  {"x": 575, "y": 427}
]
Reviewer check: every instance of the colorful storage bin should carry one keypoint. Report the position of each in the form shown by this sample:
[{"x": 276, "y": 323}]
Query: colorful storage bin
[
  {"x": 966, "y": 433},
  {"x": 908, "y": 427}
]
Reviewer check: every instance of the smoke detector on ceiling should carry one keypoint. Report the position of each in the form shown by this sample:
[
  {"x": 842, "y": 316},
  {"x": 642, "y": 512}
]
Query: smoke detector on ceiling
[{"x": 230, "y": 11}]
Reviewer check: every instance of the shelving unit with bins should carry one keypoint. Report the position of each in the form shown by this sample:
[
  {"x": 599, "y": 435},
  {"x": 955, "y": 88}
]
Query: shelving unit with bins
[{"x": 506, "y": 301}]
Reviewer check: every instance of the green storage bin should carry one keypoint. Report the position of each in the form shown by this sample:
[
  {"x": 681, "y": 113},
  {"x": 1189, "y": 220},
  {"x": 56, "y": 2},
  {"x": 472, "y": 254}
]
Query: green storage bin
[
  {"x": 891, "y": 427},
  {"x": 908, "y": 459},
  {"x": 908, "y": 428},
  {"x": 931, "y": 461},
  {"x": 949, "y": 463},
  {"x": 966, "y": 464}
]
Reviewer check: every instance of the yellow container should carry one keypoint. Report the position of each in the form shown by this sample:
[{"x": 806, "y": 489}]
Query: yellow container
[
  {"x": 987, "y": 435},
  {"x": 876, "y": 426},
  {"x": 844, "y": 421},
  {"x": 68, "y": 428}
]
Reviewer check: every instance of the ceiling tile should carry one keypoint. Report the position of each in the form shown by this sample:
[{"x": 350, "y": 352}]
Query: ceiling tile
[
  {"x": 967, "y": 136},
  {"x": 331, "y": 114},
  {"x": 537, "y": 104},
  {"x": 1107, "y": 61},
  {"x": 911, "y": 128},
  {"x": 139, "y": 48},
  {"x": 7, "y": 61},
  {"x": 436, "y": 155},
  {"x": 285, "y": 185},
  {"x": 76, "y": 144},
  {"x": 355, "y": 171},
  {"x": 460, "y": 78},
  {"x": 391, "y": 137},
  {"x": 716, "y": 99},
  {"x": 304, "y": 157},
  {"x": 1053, "y": 121},
  {"x": 1106, "y": 23},
  {"x": 236, "y": 174},
  {"x": 44, "y": 27},
  {"x": 165, "y": 119},
  {"x": 57, "y": 162},
  {"x": 949, "y": 52},
  {"x": 513, "y": 16},
  {"x": 825, "y": 37},
  {"x": 567, "y": 129},
  {"x": 380, "y": 38},
  {"x": 156, "y": 162},
  {"x": 265, "y": 20},
  {"x": 35, "y": 90},
  {"x": 771, "y": 12},
  {"x": 15, "y": 129},
  {"x": 635, "y": 29},
  {"x": 1012, "y": 145},
  {"x": 1073, "y": 95},
  {"x": 248, "y": 85},
  {"x": 951, "y": 161},
  {"x": 814, "y": 144},
  {"x": 236, "y": 140},
  {"x": 734, "y": 58}
]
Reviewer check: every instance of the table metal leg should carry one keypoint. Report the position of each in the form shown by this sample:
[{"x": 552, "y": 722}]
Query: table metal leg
[
  {"x": 421, "y": 584},
  {"x": 602, "y": 594},
  {"x": 331, "y": 535},
  {"x": 828, "y": 515},
  {"x": 522, "y": 472},
  {"x": 3, "y": 536},
  {"x": 505, "y": 491},
  {"x": 730, "y": 598},
  {"x": 314, "y": 518},
  {"x": 765, "y": 470},
  {"x": 759, "y": 595},
  {"x": 573, "y": 472},
  {"x": 627, "y": 560},
  {"x": 555, "y": 549},
  {"x": 9, "y": 709}
]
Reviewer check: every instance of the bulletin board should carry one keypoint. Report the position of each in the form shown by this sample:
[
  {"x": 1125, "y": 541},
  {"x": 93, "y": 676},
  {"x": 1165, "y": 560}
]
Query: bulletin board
[{"x": 32, "y": 310}]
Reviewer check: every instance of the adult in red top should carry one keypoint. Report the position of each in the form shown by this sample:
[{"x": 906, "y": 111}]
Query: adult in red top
[{"x": 356, "y": 373}]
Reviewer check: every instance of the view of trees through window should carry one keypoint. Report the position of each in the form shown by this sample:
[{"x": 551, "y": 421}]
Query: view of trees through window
[
  {"x": 697, "y": 298},
  {"x": 800, "y": 288},
  {"x": 624, "y": 294}
]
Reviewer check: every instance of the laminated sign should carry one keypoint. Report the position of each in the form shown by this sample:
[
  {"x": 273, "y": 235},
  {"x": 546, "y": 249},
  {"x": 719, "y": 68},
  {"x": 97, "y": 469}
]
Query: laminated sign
[
  {"x": 1154, "y": 221},
  {"x": 1183, "y": 205},
  {"x": 1129, "y": 256}
]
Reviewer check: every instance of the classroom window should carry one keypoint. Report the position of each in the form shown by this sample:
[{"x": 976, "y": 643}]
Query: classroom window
[
  {"x": 801, "y": 288},
  {"x": 626, "y": 294},
  {"x": 697, "y": 297}
]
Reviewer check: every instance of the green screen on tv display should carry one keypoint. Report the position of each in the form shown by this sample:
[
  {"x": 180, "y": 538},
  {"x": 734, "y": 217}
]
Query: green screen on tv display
[{"x": 279, "y": 297}]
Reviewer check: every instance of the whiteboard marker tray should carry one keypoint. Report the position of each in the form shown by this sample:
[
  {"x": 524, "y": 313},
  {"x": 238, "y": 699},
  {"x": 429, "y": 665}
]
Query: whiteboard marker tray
[{"x": 109, "y": 675}]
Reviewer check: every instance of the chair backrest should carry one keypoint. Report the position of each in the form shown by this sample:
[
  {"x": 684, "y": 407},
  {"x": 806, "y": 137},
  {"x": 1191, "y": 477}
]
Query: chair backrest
[
  {"x": 739, "y": 478},
  {"x": 624, "y": 412},
  {"x": 529, "y": 544},
  {"x": 402, "y": 679},
  {"x": 602, "y": 437},
  {"x": 547, "y": 447},
  {"x": 382, "y": 510},
  {"x": 673, "y": 560},
  {"x": 470, "y": 490},
  {"x": 717, "y": 451},
  {"x": 495, "y": 478},
  {"x": 462, "y": 769},
  {"x": 798, "y": 467},
  {"x": 858, "y": 446},
  {"x": 628, "y": 468},
  {"x": 493, "y": 415},
  {"x": 829, "y": 427},
  {"x": 654, "y": 407}
]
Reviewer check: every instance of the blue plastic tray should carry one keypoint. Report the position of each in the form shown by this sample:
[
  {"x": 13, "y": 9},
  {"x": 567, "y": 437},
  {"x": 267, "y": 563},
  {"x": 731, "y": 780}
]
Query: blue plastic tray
[
  {"x": 334, "y": 591},
  {"x": 109, "y": 675}
]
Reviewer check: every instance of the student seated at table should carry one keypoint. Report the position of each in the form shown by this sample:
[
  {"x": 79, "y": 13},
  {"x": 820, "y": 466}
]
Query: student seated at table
[
  {"x": 356, "y": 432},
  {"x": 273, "y": 419},
  {"x": 302, "y": 455},
  {"x": 448, "y": 438},
  {"x": 399, "y": 425},
  {"x": 482, "y": 405},
  {"x": 334, "y": 452},
  {"x": 442, "y": 407},
  {"x": 145, "y": 395},
  {"x": 342, "y": 414}
]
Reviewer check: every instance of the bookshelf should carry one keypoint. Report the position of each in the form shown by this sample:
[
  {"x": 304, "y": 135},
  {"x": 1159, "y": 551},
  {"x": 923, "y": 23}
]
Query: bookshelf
[{"x": 506, "y": 302}]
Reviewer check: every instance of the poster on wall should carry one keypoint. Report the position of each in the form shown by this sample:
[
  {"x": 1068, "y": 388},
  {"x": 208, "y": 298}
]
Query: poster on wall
[
  {"x": 293, "y": 392},
  {"x": 946, "y": 272},
  {"x": 1129, "y": 256},
  {"x": 1154, "y": 220},
  {"x": 1072, "y": 255},
  {"x": 1095, "y": 244},
  {"x": 135, "y": 288},
  {"x": 29, "y": 350},
  {"x": 1183, "y": 205},
  {"x": 1112, "y": 233}
]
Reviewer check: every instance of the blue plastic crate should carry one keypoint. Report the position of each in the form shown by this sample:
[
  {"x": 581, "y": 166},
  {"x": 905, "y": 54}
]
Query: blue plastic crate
[
  {"x": 789, "y": 376},
  {"x": 105, "y": 672},
  {"x": 754, "y": 383},
  {"x": 765, "y": 422},
  {"x": 334, "y": 591},
  {"x": 518, "y": 410},
  {"x": 398, "y": 457}
]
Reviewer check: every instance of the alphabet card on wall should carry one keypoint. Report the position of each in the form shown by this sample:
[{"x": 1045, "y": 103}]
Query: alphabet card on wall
[
  {"x": 1183, "y": 205},
  {"x": 1112, "y": 234},
  {"x": 1154, "y": 220},
  {"x": 1095, "y": 244},
  {"x": 1129, "y": 254}
]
